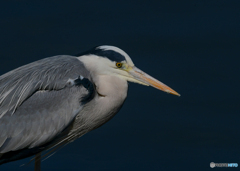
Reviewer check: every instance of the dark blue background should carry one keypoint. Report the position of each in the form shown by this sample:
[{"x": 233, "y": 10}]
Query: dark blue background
[{"x": 192, "y": 46}]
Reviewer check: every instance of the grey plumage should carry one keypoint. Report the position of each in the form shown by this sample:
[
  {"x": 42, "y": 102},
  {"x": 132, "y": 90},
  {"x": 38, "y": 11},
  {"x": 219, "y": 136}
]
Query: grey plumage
[
  {"x": 45, "y": 102},
  {"x": 47, "y": 74}
]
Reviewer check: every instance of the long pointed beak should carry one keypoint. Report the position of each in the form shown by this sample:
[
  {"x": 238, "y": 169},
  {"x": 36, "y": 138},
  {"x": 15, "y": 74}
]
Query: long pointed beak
[{"x": 146, "y": 79}]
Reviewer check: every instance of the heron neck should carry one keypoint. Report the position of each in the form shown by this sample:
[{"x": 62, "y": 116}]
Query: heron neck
[{"x": 111, "y": 86}]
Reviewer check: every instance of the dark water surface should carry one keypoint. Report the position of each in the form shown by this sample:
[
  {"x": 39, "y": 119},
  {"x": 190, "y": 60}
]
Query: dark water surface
[{"x": 192, "y": 46}]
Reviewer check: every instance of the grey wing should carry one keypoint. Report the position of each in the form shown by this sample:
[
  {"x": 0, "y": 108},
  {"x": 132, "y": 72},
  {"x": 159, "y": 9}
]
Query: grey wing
[{"x": 39, "y": 100}]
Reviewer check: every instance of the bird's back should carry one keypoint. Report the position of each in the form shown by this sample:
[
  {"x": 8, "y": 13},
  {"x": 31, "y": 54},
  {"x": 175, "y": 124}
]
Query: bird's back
[{"x": 38, "y": 104}]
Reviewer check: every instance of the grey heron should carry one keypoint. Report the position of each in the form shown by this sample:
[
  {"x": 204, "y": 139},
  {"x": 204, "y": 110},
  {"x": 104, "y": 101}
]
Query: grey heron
[{"x": 51, "y": 102}]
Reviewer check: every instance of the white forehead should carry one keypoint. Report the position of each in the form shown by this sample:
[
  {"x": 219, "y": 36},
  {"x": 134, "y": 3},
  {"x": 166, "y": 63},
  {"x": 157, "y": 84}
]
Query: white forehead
[{"x": 118, "y": 50}]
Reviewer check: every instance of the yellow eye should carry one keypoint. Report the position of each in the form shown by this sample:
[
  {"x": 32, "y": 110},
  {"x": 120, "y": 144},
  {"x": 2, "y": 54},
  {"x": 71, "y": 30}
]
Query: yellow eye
[{"x": 119, "y": 65}]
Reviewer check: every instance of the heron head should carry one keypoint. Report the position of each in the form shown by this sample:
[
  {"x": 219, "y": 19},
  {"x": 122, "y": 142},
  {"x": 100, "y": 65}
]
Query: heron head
[{"x": 110, "y": 60}]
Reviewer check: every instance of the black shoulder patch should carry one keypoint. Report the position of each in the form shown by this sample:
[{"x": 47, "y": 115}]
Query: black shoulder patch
[
  {"x": 88, "y": 85},
  {"x": 110, "y": 54}
]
